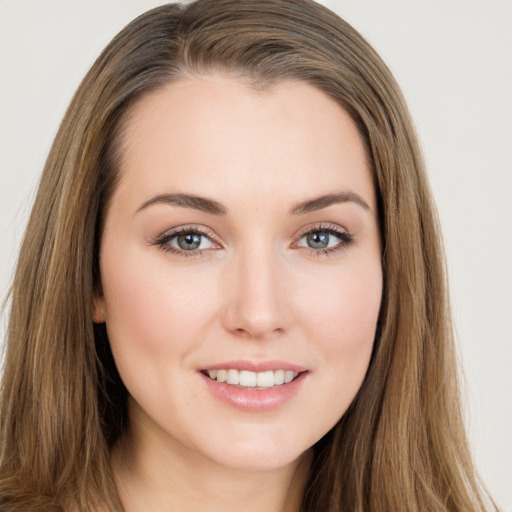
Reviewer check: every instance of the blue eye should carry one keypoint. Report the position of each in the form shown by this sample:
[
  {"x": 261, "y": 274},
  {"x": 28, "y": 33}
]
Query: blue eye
[
  {"x": 185, "y": 242},
  {"x": 320, "y": 240},
  {"x": 324, "y": 240},
  {"x": 189, "y": 241}
]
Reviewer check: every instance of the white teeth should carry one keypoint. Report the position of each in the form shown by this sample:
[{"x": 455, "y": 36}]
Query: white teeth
[
  {"x": 233, "y": 377},
  {"x": 266, "y": 379},
  {"x": 247, "y": 379},
  {"x": 288, "y": 376},
  {"x": 279, "y": 377}
]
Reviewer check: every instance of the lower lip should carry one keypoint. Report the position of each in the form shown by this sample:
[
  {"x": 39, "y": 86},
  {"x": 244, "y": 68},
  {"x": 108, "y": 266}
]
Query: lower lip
[{"x": 255, "y": 400}]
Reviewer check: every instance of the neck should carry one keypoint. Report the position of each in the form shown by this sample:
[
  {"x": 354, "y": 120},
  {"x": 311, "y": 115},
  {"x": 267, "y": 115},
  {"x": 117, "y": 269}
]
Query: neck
[{"x": 169, "y": 477}]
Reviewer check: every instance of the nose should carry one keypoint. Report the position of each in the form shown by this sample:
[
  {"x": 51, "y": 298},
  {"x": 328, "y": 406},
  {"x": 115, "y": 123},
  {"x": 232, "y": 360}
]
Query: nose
[{"x": 257, "y": 305}]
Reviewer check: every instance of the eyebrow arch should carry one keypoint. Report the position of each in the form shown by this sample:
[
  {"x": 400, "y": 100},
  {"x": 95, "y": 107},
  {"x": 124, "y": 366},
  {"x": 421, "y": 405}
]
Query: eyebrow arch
[
  {"x": 215, "y": 208},
  {"x": 187, "y": 201},
  {"x": 312, "y": 205}
]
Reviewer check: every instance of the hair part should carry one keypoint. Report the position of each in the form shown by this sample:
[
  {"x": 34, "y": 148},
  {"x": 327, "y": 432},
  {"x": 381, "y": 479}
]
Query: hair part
[{"x": 401, "y": 443}]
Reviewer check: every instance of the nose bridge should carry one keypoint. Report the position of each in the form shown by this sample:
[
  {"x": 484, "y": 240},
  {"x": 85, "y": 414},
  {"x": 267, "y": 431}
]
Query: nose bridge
[{"x": 256, "y": 304}]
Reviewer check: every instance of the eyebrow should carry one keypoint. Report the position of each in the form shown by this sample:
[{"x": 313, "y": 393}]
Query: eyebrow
[
  {"x": 318, "y": 203},
  {"x": 187, "y": 201},
  {"x": 212, "y": 207}
]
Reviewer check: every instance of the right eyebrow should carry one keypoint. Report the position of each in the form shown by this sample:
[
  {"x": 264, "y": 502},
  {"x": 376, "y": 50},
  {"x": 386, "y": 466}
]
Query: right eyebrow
[{"x": 187, "y": 201}]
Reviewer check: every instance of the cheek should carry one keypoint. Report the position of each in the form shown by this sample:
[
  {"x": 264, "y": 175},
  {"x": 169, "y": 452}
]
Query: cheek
[
  {"x": 151, "y": 311},
  {"x": 345, "y": 308},
  {"x": 342, "y": 319},
  {"x": 338, "y": 315}
]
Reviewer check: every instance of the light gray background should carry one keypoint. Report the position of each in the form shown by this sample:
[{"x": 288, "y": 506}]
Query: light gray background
[{"x": 453, "y": 59}]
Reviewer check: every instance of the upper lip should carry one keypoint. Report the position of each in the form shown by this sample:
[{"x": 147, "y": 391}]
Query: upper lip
[{"x": 256, "y": 366}]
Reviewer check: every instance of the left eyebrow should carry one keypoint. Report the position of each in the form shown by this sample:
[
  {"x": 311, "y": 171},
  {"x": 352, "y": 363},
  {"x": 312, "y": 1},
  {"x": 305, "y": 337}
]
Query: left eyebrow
[{"x": 312, "y": 205}]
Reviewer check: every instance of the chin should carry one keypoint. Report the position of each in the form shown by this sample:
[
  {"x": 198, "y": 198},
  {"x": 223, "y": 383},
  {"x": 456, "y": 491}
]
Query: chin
[
  {"x": 259, "y": 462},
  {"x": 260, "y": 451}
]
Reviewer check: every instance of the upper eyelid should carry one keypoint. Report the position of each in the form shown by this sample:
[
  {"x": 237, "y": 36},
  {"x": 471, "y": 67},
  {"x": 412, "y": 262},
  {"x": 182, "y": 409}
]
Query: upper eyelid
[
  {"x": 186, "y": 229},
  {"x": 326, "y": 226},
  {"x": 208, "y": 231}
]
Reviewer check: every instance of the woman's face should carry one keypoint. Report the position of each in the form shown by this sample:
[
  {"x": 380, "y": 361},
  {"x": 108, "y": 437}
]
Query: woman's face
[{"x": 240, "y": 244}]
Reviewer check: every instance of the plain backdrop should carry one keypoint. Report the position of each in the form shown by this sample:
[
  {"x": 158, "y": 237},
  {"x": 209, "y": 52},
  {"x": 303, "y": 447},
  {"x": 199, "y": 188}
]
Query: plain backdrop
[{"x": 453, "y": 59}]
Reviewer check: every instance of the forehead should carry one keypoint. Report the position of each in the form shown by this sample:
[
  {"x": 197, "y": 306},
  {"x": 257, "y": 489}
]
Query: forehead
[{"x": 215, "y": 136}]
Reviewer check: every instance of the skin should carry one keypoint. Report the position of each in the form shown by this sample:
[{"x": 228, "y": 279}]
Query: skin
[{"x": 255, "y": 291}]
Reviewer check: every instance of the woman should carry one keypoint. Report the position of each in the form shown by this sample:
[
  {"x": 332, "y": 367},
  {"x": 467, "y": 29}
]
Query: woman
[{"x": 231, "y": 290}]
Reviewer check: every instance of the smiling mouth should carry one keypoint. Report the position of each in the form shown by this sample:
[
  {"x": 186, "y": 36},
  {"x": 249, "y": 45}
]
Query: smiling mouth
[{"x": 252, "y": 380}]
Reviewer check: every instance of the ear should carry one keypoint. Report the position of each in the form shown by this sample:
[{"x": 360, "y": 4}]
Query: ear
[{"x": 99, "y": 314}]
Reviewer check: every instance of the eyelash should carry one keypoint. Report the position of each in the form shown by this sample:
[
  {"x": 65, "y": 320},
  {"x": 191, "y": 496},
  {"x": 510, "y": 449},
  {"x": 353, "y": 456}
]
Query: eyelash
[
  {"x": 162, "y": 241},
  {"x": 346, "y": 239}
]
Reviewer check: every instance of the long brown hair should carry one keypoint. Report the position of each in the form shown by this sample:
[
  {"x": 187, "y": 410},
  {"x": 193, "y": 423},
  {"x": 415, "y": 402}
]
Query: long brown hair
[{"x": 401, "y": 445}]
